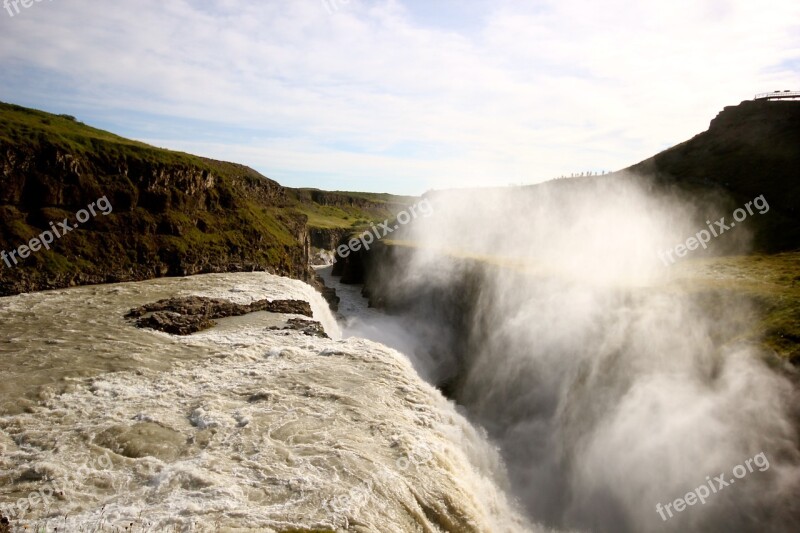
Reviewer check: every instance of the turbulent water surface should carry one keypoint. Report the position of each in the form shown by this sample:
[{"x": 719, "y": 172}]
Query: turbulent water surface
[{"x": 238, "y": 428}]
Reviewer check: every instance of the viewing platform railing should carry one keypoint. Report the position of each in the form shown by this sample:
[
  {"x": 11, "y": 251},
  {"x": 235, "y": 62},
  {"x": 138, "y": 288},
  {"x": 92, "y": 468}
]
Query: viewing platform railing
[{"x": 777, "y": 95}]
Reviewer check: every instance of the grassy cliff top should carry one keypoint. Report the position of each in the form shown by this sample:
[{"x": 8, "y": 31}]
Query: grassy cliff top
[
  {"x": 21, "y": 126},
  {"x": 340, "y": 209},
  {"x": 770, "y": 284},
  {"x": 30, "y": 127}
]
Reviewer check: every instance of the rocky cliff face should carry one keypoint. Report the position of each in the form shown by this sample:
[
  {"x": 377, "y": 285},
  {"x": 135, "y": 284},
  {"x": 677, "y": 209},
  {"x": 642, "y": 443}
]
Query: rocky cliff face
[
  {"x": 50, "y": 176},
  {"x": 172, "y": 214},
  {"x": 338, "y": 199},
  {"x": 328, "y": 238}
]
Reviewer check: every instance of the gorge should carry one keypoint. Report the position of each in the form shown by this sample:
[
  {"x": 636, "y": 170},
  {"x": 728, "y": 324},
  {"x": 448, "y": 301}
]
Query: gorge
[{"x": 520, "y": 360}]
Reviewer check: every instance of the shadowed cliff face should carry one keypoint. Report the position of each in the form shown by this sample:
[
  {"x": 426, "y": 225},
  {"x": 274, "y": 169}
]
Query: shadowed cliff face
[
  {"x": 171, "y": 213},
  {"x": 166, "y": 220},
  {"x": 328, "y": 239},
  {"x": 748, "y": 150},
  {"x": 608, "y": 385}
]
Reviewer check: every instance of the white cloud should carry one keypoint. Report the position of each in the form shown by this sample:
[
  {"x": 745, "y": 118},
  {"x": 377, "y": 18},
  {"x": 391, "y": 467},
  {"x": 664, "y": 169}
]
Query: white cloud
[{"x": 550, "y": 88}]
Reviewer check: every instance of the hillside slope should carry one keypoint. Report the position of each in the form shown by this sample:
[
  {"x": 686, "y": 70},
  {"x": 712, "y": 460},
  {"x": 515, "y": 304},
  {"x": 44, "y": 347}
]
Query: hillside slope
[
  {"x": 171, "y": 213},
  {"x": 749, "y": 150}
]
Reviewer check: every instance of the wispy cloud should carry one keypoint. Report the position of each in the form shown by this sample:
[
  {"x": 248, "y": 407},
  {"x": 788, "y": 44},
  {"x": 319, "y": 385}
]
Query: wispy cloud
[{"x": 386, "y": 95}]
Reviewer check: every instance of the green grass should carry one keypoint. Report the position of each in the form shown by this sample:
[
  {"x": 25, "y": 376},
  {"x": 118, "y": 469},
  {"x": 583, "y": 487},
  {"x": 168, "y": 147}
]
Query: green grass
[
  {"x": 770, "y": 282},
  {"x": 228, "y": 215},
  {"x": 329, "y": 217},
  {"x": 34, "y": 128},
  {"x": 347, "y": 210}
]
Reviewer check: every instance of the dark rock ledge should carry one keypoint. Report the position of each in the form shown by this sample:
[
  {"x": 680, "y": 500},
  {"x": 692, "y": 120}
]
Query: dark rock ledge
[
  {"x": 307, "y": 327},
  {"x": 190, "y": 314}
]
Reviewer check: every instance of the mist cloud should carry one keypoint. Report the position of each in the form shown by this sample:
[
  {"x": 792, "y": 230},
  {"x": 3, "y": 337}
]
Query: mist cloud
[{"x": 608, "y": 387}]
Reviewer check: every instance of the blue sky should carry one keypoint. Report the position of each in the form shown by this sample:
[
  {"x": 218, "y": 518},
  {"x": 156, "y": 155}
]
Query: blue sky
[{"x": 400, "y": 96}]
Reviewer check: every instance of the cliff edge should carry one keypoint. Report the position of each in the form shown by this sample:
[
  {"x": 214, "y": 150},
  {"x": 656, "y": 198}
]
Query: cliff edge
[{"x": 120, "y": 210}]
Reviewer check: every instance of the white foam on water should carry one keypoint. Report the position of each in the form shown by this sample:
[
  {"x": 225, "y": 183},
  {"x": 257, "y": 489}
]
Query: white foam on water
[{"x": 271, "y": 431}]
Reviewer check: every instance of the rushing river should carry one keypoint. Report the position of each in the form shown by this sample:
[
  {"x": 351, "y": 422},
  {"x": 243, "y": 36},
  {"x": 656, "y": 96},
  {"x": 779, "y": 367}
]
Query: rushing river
[
  {"x": 105, "y": 426},
  {"x": 600, "y": 404}
]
